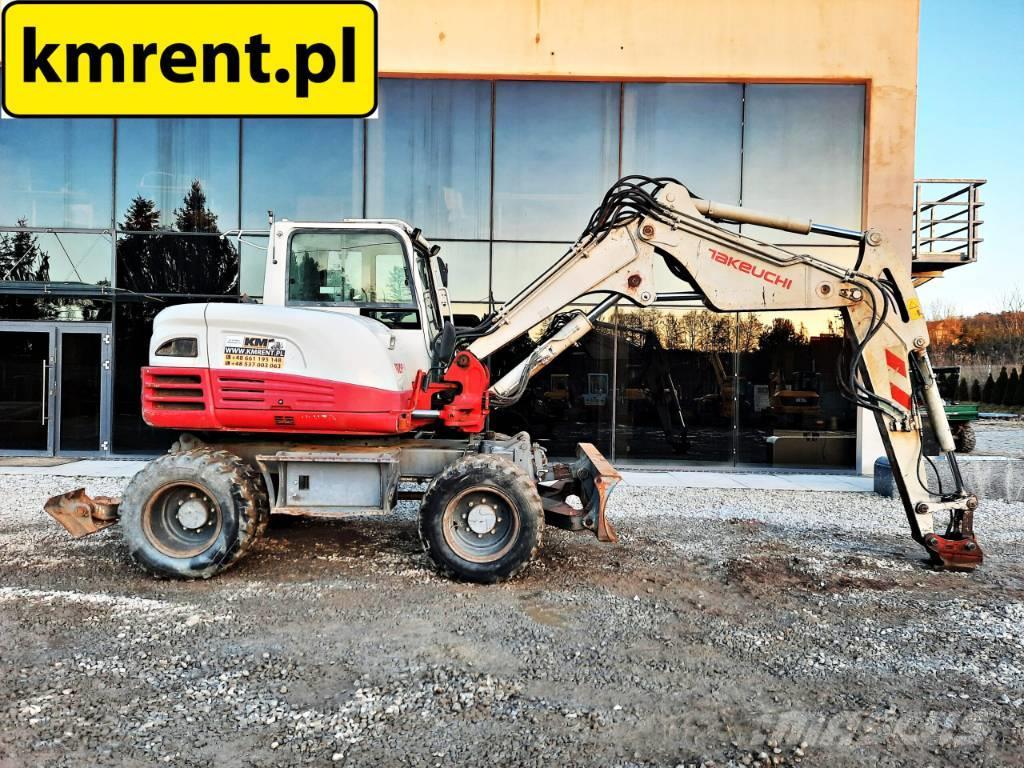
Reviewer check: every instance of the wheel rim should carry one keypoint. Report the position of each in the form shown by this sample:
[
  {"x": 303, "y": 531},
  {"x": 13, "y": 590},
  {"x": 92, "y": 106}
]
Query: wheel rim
[
  {"x": 481, "y": 524},
  {"x": 182, "y": 520}
]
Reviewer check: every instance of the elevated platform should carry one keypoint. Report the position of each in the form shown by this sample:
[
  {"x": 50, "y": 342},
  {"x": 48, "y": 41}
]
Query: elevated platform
[{"x": 946, "y": 224}]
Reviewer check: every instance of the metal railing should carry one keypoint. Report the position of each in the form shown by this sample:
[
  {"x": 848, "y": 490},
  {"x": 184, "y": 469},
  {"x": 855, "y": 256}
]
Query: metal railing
[{"x": 946, "y": 221}]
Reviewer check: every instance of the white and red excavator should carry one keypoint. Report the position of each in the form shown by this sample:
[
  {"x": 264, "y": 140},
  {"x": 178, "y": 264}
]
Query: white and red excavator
[{"x": 351, "y": 378}]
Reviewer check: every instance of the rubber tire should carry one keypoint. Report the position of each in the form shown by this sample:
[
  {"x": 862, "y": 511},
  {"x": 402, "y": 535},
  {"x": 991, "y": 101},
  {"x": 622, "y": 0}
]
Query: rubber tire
[
  {"x": 234, "y": 485},
  {"x": 482, "y": 470},
  {"x": 964, "y": 438}
]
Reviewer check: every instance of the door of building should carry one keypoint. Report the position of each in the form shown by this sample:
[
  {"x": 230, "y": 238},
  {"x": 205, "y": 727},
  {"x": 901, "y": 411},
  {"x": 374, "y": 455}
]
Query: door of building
[{"x": 55, "y": 389}]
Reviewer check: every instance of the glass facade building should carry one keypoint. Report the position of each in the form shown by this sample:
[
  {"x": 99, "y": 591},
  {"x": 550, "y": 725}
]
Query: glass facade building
[{"x": 104, "y": 223}]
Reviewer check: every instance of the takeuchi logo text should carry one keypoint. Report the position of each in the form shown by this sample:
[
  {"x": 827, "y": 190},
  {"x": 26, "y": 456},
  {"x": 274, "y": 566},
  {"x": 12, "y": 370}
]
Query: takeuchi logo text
[{"x": 740, "y": 265}]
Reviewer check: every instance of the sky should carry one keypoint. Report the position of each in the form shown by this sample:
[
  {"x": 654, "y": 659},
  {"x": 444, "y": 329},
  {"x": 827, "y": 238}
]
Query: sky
[{"x": 970, "y": 124}]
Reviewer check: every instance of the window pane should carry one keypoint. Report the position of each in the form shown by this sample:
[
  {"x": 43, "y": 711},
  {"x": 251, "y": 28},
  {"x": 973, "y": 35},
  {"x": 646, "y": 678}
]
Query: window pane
[
  {"x": 348, "y": 268},
  {"x": 56, "y": 173},
  {"x": 555, "y": 155},
  {"x": 254, "y": 265},
  {"x": 23, "y": 390},
  {"x": 57, "y": 257},
  {"x": 81, "y": 391},
  {"x": 516, "y": 265},
  {"x": 429, "y": 156},
  {"x": 792, "y": 412},
  {"x": 803, "y": 155},
  {"x": 301, "y": 169},
  {"x": 469, "y": 266},
  {"x": 692, "y": 132},
  {"x": 173, "y": 263},
  {"x": 20, "y": 306},
  {"x": 177, "y": 174},
  {"x": 674, "y": 384},
  {"x": 468, "y": 315}
]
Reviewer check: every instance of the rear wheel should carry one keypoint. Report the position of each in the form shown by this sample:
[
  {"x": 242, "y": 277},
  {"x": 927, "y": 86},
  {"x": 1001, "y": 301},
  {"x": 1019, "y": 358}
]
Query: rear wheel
[
  {"x": 193, "y": 514},
  {"x": 481, "y": 519},
  {"x": 964, "y": 438}
]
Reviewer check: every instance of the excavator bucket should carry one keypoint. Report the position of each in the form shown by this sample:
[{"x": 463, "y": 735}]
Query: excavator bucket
[
  {"x": 590, "y": 478},
  {"x": 80, "y": 514}
]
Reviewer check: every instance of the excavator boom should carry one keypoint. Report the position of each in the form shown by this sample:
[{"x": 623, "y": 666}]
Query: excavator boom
[{"x": 889, "y": 373}]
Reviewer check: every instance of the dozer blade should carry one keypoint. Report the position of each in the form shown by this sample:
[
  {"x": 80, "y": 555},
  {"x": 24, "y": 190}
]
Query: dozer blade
[
  {"x": 590, "y": 478},
  {"x": 81, "y": 515},
  {"x": 596, "y": 479}
]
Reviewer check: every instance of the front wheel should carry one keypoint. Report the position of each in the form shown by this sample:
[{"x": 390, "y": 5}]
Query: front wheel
[
  {"x": 481, "y": 519},
  {"x": 193, "y": 514}
]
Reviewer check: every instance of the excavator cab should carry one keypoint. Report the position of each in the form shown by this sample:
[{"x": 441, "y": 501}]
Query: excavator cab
[{"x": 381, "y": 270}]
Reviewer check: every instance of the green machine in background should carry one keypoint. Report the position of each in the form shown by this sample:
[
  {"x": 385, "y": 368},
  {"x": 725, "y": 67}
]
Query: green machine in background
[{"x": 959, "y": 415}]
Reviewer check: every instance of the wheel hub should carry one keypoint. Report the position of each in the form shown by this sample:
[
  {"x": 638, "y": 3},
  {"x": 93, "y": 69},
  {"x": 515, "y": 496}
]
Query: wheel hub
[
  {"x": 481, "y": 524},
  {"x": 193, "y": 514},
  {"x": 481, "y": 518}
]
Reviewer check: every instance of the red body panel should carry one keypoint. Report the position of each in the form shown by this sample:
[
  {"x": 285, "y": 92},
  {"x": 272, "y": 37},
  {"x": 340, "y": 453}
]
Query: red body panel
[{"x": 264, "y": 401}]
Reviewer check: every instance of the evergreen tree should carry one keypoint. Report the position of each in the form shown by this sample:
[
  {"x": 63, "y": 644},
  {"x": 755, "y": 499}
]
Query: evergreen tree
[
  {"x": 986, "y": 391},
  {"x": 142, "y": 215},
  {"x": 1010, "y": 396},
  {"x": 1018, "y": 396},
  {"x": 194, "y": 216},
  {"x": 962, "y": 392},
  {"x": 20, "y": 256},
  {"x": 976, "y": 392},
  {"x": 171, "y": 263},
  {"x": 22, "y": 260},
  {"x": 1000, "y": 388},
  {"x": 140, "y": 263},
  {"x": 396, "y": 288}
]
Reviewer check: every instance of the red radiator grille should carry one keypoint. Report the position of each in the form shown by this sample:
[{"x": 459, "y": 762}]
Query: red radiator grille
[{"x": 174, "y": 391}]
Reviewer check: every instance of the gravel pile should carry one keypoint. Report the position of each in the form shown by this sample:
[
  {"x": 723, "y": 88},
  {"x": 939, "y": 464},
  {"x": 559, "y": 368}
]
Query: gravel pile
[{"x": 728, "y": 628}]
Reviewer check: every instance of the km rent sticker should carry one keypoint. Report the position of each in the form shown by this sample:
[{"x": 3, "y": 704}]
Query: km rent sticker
[
  {"x": 253, "y": 352},
  {"x": 129, "y": 59}
]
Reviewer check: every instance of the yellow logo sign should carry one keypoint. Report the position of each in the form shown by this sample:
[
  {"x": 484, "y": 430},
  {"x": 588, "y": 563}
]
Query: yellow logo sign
[{"x": 189, "y": 58}]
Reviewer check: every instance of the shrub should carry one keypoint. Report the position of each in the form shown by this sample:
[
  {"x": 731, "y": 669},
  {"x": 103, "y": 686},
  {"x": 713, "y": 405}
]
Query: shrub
[
  {"x": 1010, "y": 396},
  {"x": 1000, "y": 389}
]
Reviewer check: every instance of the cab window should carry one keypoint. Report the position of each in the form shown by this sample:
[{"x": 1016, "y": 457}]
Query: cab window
[{"x": 350, "y": 268}]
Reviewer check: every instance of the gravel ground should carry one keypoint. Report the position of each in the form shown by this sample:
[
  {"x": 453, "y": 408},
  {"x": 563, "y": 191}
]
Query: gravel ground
[{"x": 727, "y": 627}]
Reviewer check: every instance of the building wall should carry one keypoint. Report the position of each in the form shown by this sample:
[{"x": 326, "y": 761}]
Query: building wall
[
  {"x": 869, "y": 41},
  {"x": 867, "y": 44}
]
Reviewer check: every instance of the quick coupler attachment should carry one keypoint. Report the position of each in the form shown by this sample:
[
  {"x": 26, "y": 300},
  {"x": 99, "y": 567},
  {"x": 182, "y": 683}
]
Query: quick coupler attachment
[{"x": 957, "y": 549}]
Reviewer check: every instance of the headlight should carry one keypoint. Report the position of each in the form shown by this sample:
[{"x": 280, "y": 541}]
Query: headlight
[{"x": 178, "y": 348}]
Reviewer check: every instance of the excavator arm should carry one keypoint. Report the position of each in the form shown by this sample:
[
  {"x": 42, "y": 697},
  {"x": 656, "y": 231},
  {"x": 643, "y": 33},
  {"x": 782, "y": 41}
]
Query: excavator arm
[{"x": 643, "y": 219}]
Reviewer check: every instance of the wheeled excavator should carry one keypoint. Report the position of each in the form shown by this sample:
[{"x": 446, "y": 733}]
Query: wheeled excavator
[{"x": 351, "y": 379}]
